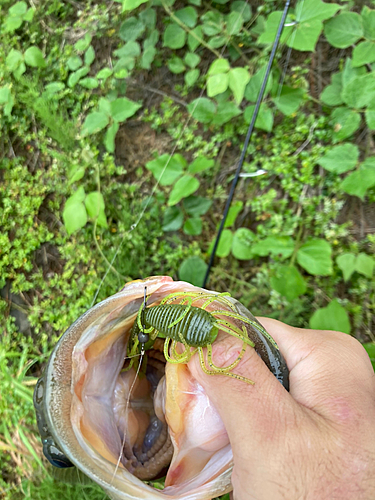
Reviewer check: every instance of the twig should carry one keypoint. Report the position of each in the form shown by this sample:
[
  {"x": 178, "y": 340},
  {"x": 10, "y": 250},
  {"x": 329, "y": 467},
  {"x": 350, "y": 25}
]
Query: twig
[
  {"x": 308, "y": 140},
  {"x": 133, "y": 83}
]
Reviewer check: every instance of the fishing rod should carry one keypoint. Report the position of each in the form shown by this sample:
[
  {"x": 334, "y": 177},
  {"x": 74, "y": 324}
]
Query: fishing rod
[{"x": 247, "y": 139}]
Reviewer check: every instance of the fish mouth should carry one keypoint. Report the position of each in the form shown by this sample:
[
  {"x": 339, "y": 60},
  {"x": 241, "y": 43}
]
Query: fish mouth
[
  {"x": 121, "y": 429},
  {"x": 121, "y": 441}
]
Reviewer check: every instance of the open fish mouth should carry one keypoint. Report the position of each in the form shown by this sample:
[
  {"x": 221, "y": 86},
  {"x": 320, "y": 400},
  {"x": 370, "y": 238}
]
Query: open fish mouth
[{"x": 122, "y": 430}]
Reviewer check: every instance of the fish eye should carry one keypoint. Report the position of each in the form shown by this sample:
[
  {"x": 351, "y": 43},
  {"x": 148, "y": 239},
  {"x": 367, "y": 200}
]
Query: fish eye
[{"x": 55, "y": 456}]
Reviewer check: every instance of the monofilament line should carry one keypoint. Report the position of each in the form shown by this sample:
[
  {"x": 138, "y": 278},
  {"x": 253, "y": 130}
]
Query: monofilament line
[{"x": 247, "y": 139}]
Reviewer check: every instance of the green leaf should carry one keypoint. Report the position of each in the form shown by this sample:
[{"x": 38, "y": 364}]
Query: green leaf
[
  {"x": 218, "y": 67},
  {"x": 333, "y": 317},
  {"x": 123, "y": 108},
  {"x": 130, "y": 49},
  {"x": 5, "y": 95},
  {"x": 370, "y": 118},
  {"x": 254, "y": 86},
  {"x": 315, "y": 257},
  {"x": 18, "y": 9},
  {"x": 176, "y": 65},
  {"x": 202, "y": 109},
  {"x": 77, "y": 197},
  {"x": 104, "y": 73},
  {"x": 54, "y": 87},
  {"x": 74, "y": 63},
  {"x": 340, "y": 159},
  {"x": 309, "y": 10},
  {"x": 13, "y": 60},
  {"x": 174, "y": 37},
  {"x": 75, "y": 77},
  {"x": 196, "y": 205},
  {"x": 89, "y": 83},
  {"x": 109, "y": 138},
  {"x": 234, "y": 210},
  {"x": 346, "y": 263},
  {"x": 83, "y": 43},
  {"x": 74, "y": 215},
  {"x": 191, "y": 77},
  {"x": 301, "y": 32},
  {"x": 19, "y": 71},
  {"x": 200, "y": 164},
  {"x": 349, "y": 72},
  {"x": 365, "y": 265},
  {"x": 264, "y": 119},
  {"x": 131, "y": 4},
  {"x": 226, "y": 110},
  {"x": 360, "y": 91},
  {"x": 212, "y": 23},
  {"x": 194, "y": 38},
  {"x": 305, "y": 35},
  {"x": 188, "y": 15},
  {"x": 331, "y": 95},
  {"x": 94, "y": 122},
  {"x": 192, "y": 59},
  {"x": 364, "y": 53},
  {"x": 358, "y": 182},
  {"x": 368, "y": 20},
  {"x": 166, "y": 169},
  {"x": 370, "y": 349},
  {"x": 173, "y": 219},
  {"x": 242, "y": 244},
  {"x": 131, "y": 29},
  {"x": 94, "y": 203},
  {"x": 185, "y": 186},
  {"x": 193, "y": 270},
  {"x": 277, "y": 246},
  {"x": 243, "y": 8},
  {"x": 75, "y": 173},
  {"x": 89, "y": 56},
  {"x": 123, "y": 65},
  {"x": 104, "y": 105},
  {"x": 289, "y": 100},
  {"x": 34, "y": 57},
  {"x": 345, "y": 122},
  {"x": 225, "y": 244},
  {"x": 217, "y": 41},
  {"x": 148, "y": 17},
  {"x": 147, "y": 57},
  {"x": 238, "y": 79},
  {"x": 193, "y": 226},
  {"x": 272, "y": 24},
  {"x": 217, "y": 84},
  {"x": 288, "y": 282},
  {"x": 344, "y": 29},
  {"x": 234, "y": 23},
  {"x": 12, "y": 23}
]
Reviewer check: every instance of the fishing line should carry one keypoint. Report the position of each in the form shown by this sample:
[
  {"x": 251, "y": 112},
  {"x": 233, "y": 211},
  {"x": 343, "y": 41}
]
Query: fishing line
[
  {"x": 130, "y": 391},
  {"x": 138, "y": 220},
  {"x": 247, "y": 139}
]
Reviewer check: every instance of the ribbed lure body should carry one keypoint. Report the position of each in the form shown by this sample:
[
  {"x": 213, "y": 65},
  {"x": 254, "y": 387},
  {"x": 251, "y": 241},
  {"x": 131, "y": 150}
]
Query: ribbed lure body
[{"x": 197, "y": 326}]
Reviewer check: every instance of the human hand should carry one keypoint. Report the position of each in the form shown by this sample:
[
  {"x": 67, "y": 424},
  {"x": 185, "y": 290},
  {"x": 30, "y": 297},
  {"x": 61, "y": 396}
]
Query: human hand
[{"x": 316, "y": 442}]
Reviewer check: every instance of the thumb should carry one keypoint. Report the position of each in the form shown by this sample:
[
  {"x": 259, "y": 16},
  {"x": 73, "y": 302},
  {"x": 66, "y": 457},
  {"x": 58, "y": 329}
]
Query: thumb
[{"x": 251, "y": 413}]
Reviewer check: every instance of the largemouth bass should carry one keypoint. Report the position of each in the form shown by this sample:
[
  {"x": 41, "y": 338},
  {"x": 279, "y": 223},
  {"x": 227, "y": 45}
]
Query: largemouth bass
[{"x": 122, "y": 430}]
